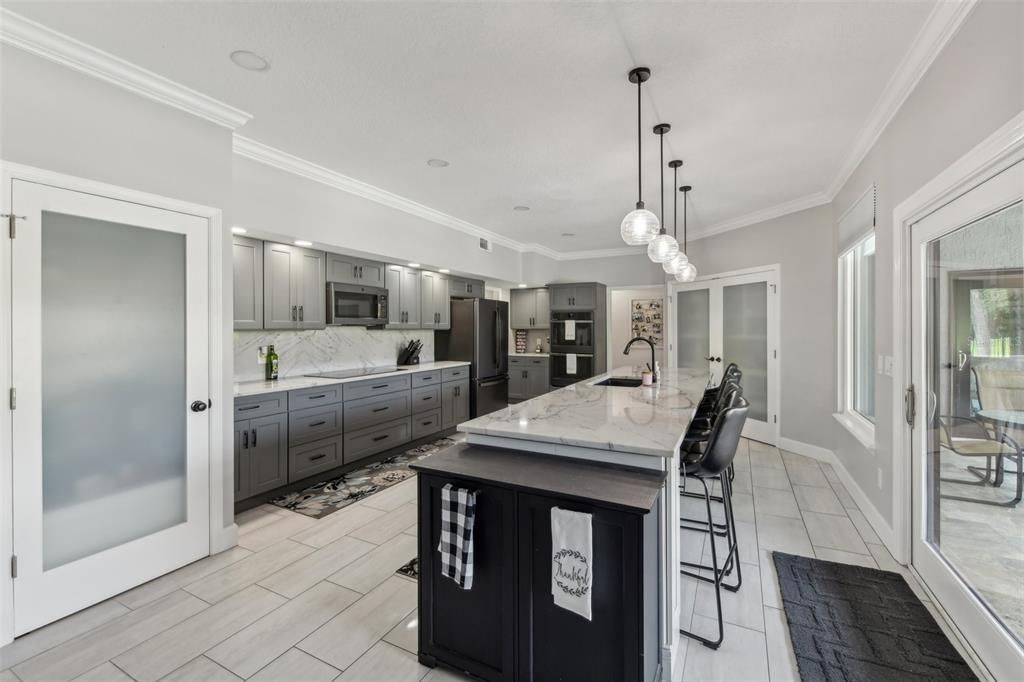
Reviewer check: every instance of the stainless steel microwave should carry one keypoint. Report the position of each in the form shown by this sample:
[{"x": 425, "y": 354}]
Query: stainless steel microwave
[{"x": 356, "y": 305}]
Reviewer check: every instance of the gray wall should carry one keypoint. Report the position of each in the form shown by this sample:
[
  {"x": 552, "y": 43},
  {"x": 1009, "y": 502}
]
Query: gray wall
[
  {"x": 620, "y": 327},
  {"x": 614, "y": 271},
  {"x": 61, "y": 120},
  {"x": 974, "y": 87},
  {"x": 802, "y": 245}
]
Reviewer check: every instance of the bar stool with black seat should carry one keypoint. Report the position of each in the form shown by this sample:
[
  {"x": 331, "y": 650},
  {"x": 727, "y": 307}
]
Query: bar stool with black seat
[{"x": 711, "y": 465}]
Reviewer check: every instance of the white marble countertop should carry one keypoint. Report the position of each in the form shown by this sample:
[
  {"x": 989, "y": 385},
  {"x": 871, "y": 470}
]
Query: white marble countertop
[
  {"x": 246, "y": 388},
  {"x": 643, "y": 420},
  {"x": 528, "y": 355}
]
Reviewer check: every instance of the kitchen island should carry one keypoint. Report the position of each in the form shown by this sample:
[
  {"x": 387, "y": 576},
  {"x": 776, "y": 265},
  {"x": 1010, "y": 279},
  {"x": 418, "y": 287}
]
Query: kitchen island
[{"x": 609, "y": 427}]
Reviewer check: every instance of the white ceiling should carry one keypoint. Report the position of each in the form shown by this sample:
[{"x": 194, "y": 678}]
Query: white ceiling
[{"x": 529, "y": 101}]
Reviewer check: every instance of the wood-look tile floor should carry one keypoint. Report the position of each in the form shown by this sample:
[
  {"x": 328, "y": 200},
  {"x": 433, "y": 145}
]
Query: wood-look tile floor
[{"x": 304, "y": 600}]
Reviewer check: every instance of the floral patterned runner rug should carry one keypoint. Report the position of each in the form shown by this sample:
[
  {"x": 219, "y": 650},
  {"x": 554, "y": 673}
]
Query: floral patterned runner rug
[{"x": 327, "y": 497}]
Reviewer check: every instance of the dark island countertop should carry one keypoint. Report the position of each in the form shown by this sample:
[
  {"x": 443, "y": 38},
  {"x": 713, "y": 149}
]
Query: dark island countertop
[{"x": 606, "y": 485}]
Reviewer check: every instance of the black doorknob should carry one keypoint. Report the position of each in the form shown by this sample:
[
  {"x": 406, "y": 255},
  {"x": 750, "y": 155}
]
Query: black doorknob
[{"x": 199, "y": 406}]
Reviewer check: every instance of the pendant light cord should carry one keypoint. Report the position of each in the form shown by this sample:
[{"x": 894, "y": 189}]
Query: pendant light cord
[
  {"x": 675, "y": 203},
  {"x": 662, "y": 136},
  {"x": 639, "y": 145},
  {"x": 686, "y": 202}
]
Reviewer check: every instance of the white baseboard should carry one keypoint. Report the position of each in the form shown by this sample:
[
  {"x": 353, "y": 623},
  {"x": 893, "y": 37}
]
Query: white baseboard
[{"x": 878, "y": 523}]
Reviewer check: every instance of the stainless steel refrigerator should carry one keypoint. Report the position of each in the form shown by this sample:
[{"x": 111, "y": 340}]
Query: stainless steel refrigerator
[{"x": 479, "y": 335}]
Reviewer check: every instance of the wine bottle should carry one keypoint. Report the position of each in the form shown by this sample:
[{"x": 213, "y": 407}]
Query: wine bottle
[{"x": 271, "y": 363}]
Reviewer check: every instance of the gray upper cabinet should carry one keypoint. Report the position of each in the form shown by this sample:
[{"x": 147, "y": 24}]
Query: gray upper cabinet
[
  {"x": 293, "y": 287},
  {"x": 403, "y": 297},
  {"x": 530, "y": 309},
  {"x": 435, "y": 309},
  {"x": 466, "y": 288},
  {"x": 247, "y": 270},
  {"x": 351, "y": 270},
  {"x": 574, "y": 296}
]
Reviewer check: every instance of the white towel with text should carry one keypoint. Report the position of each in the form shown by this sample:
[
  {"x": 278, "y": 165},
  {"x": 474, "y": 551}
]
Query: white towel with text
[{"x": 572, "y": 560}]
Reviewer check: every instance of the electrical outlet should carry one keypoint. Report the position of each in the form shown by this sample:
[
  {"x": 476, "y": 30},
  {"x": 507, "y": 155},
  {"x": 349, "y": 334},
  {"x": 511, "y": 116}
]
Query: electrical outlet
[{"x": 261, "y": 355}]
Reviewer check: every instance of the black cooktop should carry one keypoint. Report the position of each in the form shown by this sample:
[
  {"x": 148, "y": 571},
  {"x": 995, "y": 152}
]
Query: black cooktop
[{"x": 351, "y": 373}]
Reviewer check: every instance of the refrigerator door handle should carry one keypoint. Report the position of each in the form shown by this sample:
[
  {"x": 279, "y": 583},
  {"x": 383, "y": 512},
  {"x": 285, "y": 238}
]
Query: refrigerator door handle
[
  {"x": 493, "y": 382},
  {"x": 497, "y": 338}
]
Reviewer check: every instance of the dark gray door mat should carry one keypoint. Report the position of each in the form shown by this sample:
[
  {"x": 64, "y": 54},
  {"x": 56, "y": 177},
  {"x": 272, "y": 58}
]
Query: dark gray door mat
[{"x": 856, "y": 623}]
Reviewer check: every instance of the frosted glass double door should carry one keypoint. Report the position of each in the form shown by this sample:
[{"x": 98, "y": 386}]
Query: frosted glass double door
[
  {"x": 110, "y": 435},
  {"x": 733, "y": 319}
]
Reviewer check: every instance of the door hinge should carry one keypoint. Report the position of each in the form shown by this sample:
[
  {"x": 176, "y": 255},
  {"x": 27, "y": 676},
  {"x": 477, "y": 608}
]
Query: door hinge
[
  {"x": 12, "y": 223},
  {"x": 14, "y": 565},
  {"x": 14, "y": 398},
  {"x": 909, "y": 405}
]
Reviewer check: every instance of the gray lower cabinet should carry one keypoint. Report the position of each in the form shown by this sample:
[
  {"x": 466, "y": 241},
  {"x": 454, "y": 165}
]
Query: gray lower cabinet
[
  {"x": 261, "y": 454},
  {"x": 247, "y": 274},
  {"x": 528, "y": 377},
  {"x": 454, "y": 403},
  {"x": 378, "y": 438}
]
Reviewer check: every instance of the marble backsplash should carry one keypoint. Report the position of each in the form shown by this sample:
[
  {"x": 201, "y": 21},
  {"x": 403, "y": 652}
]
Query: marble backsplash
[{"x": 320, "y": 350}]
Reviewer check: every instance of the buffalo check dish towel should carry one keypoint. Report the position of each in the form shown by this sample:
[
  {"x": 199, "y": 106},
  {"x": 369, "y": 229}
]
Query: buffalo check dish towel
[
  {"x": 572, "y": 560},
  {"x": 458, "y": 509}
]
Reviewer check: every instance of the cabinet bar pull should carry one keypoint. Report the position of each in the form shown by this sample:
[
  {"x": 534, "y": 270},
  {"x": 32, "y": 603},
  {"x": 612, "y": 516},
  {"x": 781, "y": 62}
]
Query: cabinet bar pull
[
  {"x": 316, "y": 457},
  {"x": 316, "y": 397},
  {"x": 250, "y": 407},
  {"x": 428, "y": 422},
  {"x": 379, "y": 438},
  {"x": 381, "y": 386},
  {"x": 245, "y": 439},
  {"x": 319, "y": 423},
  {"x": 295, "y": 313},
  {"x": 382, "y": 409},
  {"x": 254, "y": 437},
  {"x": 429, "y": 397},
  {"x": 301, "y": 316}
]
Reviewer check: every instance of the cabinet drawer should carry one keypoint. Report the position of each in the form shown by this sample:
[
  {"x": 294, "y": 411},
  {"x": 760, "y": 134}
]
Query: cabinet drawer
[
  {"x": 426, "y": 398},
  {"x": 376, "y": 439},
  {"x": 311, "y": 458},
  {"x": 426, "y": 423},
  {"x": 314, "y": 423},
  {"x": 453, "y": 373},
  {"x": 247, "y": 407},
  {"x": 367, "y": 412},
  {"x": 314, "y": 397},
  {"x": 365, "y": 389},
  {"x": 516, "y": 360},
  {"x": 426, "y": 378}
]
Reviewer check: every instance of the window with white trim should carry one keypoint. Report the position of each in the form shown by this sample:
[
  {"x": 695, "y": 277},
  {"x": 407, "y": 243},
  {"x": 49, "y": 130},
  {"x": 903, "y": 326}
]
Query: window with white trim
[{"x": 857, "y": 334}]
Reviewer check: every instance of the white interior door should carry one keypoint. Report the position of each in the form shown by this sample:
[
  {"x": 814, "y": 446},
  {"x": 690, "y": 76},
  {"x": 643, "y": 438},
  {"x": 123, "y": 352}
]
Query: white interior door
[
  {"x": 968, "y": 530},
  {"x": 733, "y": 319},
  {"x": 109, "y": 348}
]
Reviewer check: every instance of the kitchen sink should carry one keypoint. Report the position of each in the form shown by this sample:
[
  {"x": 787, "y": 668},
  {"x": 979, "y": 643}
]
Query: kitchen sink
[{"x": 620, "y": 381}]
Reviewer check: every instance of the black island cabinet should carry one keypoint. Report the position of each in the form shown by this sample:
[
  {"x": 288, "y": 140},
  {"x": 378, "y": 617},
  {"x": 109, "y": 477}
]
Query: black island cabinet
[{"x": 507, "y": 626}]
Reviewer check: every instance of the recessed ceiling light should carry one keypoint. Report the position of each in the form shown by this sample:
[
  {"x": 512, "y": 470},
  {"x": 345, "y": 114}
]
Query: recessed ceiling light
[
  {"x": 568, "y": 234},
  {"x": 250, "y": 61},
  {"x": 437, "y": 163},
  {"x": 520, "y": 208},
  {"x": 444, "y": 271},
  {"x": 302, "y": 242},
  {"x": 522, "y": 286},
  {"x": 413, "y": 265},
  {"x": 238, "y": 230}
]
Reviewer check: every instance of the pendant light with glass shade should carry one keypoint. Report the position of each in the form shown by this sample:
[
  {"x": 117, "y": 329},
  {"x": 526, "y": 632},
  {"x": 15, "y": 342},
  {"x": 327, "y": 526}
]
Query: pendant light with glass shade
[
  {"x": 688, "y": 272},
  {"x": 663, "y": 247},
  {"x": 675, "y": 264},
  {"x": 639, "y": 226}
]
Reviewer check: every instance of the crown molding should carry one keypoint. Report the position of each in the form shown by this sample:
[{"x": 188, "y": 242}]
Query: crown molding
[
  {"x": 602, "y": 253},
  {"x": 760, "y": 216},
  {"x": 939, "y": 28},
  {"x": 25, "y": 34},
  {"x": 265, "y": 154}
]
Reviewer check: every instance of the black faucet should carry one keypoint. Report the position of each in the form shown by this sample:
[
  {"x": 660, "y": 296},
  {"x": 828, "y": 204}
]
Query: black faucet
[{"x": 629, "y": 344}]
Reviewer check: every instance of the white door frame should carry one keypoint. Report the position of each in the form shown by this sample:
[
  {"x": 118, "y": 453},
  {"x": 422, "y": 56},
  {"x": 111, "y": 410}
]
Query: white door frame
[
  {"x": 774, "y": 273},
  {"x": 1002, "y": 149},
  {"x": 222, "y": 530}
]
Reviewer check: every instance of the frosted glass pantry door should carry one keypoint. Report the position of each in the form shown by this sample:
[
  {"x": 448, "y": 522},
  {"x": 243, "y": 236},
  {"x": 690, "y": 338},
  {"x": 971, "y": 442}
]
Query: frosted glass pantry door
[{"x": 110, "y": 348}]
